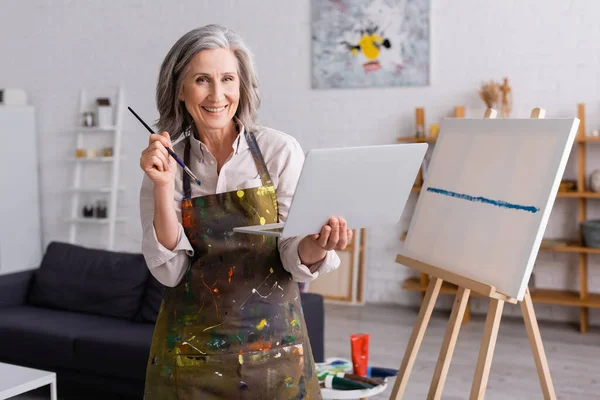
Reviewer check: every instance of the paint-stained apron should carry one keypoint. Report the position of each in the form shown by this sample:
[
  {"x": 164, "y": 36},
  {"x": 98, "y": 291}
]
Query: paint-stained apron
[{"x": 233, "y": 328}]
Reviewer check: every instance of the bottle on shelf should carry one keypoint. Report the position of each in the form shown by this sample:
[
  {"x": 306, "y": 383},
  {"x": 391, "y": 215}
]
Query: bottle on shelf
[{"x": 420, "y": 119}]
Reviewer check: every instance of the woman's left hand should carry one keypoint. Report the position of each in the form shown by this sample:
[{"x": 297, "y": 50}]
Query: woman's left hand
[{"x": 334, "y": 235}]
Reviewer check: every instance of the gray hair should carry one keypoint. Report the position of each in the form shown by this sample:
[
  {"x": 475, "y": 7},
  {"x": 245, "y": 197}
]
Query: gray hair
[{"x": 174, "y": 117}]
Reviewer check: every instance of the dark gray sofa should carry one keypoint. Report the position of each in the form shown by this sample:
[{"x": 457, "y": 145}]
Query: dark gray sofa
[{"x": 89, "y": 315}]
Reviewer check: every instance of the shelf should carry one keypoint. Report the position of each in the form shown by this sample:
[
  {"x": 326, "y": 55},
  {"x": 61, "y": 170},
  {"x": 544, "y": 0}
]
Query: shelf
[
  {"x": 94, "y": 190},
  {"x": 547, "y": 296},
  {"x": 414, "y": 139},
  {"x": 588, "y": 139},
  {"x": 565, "y": 298},
  {"x": 585, "y": 195},
  {"x": 568, "y": 246},
  {"x": 98, "y": 221}
]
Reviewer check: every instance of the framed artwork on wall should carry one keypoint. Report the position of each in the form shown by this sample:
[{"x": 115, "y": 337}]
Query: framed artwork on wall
[{"x": 370, "y": 43}]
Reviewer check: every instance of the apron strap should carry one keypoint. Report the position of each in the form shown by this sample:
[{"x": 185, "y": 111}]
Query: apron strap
[{"x": 265, "y": 177}]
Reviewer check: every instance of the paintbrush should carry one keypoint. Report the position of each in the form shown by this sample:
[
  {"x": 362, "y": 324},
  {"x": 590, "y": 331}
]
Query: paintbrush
[{"x": 171, "y": 152}]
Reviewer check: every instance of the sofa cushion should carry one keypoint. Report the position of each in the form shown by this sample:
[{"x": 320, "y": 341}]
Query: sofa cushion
[
  {"x": 119, "y": 348},
  {"x": 88, "y": 280},
  {"x": 39, "y": 336}
]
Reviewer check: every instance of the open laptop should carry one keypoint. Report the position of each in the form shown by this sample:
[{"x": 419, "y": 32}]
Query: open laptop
[{"x": 367, "y": 186}]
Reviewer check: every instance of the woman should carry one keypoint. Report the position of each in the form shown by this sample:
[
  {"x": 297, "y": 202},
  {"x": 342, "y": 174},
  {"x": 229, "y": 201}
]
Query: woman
[{"x": 231, "y": 324}]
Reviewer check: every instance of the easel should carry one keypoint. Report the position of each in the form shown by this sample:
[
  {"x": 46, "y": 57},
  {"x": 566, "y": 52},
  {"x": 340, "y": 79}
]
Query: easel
[{"x": 490, "y": 333}]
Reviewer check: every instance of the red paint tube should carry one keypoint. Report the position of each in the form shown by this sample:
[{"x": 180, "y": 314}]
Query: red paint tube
[{"x": 360, "y": 353}]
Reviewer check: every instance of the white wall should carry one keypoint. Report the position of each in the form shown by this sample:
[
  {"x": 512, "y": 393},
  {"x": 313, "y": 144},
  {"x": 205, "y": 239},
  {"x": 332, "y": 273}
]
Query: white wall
[{"x": 548, "y": 49}]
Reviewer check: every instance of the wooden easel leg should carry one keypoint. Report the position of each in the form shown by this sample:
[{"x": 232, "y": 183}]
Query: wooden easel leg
[
  {"x": 535, "y": 340},
  {"x": 416, "y": 337},
  {"x": 443, "y": 362},
  {"x": 486, "y": 350},
  {"x": 467, "y": 317}
]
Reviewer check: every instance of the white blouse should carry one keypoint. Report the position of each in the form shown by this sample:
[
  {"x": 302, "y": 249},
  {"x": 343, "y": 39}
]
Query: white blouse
[{"x": 284, "y": 159}]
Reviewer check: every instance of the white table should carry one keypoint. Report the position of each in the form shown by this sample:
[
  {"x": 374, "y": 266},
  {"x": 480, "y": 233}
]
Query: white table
[
  {"x": 352, "y": 394},
  {"x": 15, "y": 380}
]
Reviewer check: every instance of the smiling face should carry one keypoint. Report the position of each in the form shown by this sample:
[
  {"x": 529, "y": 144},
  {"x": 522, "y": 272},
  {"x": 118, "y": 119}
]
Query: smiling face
[{"x": 211, "y": 89}]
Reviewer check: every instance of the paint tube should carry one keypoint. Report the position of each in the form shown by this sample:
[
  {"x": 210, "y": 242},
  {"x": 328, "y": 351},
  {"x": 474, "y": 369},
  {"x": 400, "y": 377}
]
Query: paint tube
[
  {"x": 333, "y": 382},
  {"x": 360, "y": 353},
  {"x": 379, "y": 372},
  {"x": 370, "y": 381}
]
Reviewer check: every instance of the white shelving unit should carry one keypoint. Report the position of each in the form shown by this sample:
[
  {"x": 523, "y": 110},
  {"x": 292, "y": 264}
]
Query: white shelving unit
[{"x": 112, "y": 190}]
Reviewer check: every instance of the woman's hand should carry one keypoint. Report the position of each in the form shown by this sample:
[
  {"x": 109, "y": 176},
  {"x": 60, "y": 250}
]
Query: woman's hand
[
  {"x": 160, "y": 168},
  {"x": 156, "y": 162},
  {"x": 333, "y": 236}
]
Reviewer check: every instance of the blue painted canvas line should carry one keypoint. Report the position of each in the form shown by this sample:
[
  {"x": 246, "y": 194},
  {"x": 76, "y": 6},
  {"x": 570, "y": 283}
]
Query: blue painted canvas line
[{"x": 497, "y": 203}]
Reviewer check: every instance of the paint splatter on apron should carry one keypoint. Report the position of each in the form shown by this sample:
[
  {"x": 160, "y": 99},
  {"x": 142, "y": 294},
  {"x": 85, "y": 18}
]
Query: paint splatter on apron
[{"x": 233, "y": 328}]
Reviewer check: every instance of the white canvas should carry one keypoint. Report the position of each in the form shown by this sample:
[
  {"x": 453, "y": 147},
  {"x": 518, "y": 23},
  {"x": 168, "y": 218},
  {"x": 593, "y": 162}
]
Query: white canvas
[{"x": 488, "y": 194}]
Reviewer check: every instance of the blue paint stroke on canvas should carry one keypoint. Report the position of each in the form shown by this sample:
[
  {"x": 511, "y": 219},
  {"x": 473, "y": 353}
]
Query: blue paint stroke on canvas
[{"x": 479, "y": 199}]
